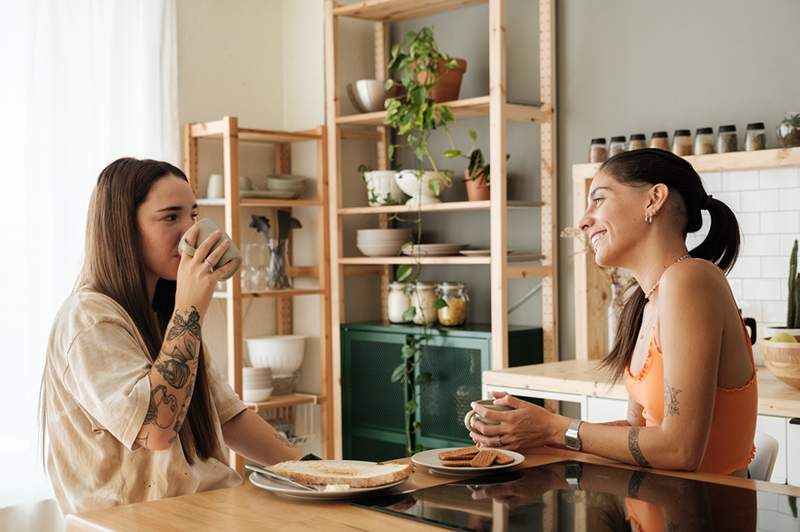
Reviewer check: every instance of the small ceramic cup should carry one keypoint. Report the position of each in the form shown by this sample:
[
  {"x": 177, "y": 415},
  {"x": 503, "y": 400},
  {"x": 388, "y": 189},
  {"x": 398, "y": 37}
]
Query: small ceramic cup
[
  {"x": 488, "y": 403},
  {"x": 207, "y": 227},
  {"x": 216, "y": 187}
]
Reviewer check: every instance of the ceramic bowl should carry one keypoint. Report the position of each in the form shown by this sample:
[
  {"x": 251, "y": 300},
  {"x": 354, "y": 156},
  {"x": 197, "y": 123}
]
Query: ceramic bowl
[
  {"x": 256, "y": 395},
  {"x": 283, "y": 353},
  {"x": 783, "y": 360},
  {"x": 286, "y": 182},
  {"x": 375, "y": 236},
  {"x": 256, "y": 378},
  {"x": 367, "y": 95},
  {"x": 382, "y": 249}
]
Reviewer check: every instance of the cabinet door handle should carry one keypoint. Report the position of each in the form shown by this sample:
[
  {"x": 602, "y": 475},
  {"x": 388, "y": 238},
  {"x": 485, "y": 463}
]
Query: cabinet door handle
[{"x": 794, "y": 421}]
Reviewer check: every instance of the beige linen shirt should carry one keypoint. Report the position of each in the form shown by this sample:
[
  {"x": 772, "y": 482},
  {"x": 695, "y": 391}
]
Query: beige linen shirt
[{"x": 96, "y": 396}]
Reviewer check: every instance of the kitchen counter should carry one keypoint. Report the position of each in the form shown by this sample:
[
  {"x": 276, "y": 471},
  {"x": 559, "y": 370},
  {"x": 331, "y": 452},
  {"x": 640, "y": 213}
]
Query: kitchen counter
[{"x": 247, "y": 507}]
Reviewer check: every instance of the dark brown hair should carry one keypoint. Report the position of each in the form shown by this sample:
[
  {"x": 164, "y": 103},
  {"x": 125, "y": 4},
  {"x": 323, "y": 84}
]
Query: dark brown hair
[
  {"x": 113, "y": 267},
  {"x": 721, "y": 246}
]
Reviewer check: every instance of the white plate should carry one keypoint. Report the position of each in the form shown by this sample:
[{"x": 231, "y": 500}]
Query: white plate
[
  {"x": 430, "y": 459},
  {"x": 433, "y": 250},
  {"x": 480, "y": 252},
  {"x": 286, "y": 490}
]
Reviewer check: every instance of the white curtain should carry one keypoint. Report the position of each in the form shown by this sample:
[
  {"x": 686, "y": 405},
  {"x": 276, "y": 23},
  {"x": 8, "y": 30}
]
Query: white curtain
[{"x": 83, "y": 82}]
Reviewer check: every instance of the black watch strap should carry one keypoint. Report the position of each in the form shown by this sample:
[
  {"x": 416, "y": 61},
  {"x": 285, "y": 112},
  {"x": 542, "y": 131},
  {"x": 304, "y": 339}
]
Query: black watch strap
[{"x": 310, "y": 456}]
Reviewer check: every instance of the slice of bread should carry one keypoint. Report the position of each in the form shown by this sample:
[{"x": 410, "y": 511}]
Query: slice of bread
[{"x": 324, "y": 472}]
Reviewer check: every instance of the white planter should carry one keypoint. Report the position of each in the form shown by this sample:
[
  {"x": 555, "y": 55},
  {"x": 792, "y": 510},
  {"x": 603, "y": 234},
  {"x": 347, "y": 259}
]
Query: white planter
[
  {"x": 419, "y": 187},
  {"x": 382, "y": 188}
]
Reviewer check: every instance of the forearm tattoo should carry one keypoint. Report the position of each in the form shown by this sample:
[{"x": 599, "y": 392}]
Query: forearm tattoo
[
  {"x": 163, "y": 408},
  {"x": 671, "y": 400},
  {"x": 175, "y": 369},
  {"x": 633, "y": 446}
]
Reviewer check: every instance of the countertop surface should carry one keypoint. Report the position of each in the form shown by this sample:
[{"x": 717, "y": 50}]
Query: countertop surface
[{"x": 583, "y": 377}]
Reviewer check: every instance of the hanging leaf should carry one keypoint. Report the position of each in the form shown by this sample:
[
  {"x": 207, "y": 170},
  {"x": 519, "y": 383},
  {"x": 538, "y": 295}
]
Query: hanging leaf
[
  {"x": 452, "y": 153},
  {"x": 408, "y": 351},
  {"x": 411, "y": 407},
  {"x": 439, "y": 303},
  {"x": 409, "y": 314},
  {"x": 473, "y": 135},
  {"x": 404, "y": 272},
  {"x": 423, "y": 378},
  {"x": 399, "y": 372}
]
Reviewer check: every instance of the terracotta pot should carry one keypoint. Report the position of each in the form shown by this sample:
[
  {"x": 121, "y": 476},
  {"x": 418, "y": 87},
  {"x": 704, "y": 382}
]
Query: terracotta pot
[
  {"x": 477, "y": 189},
  {"x": 448, "y": 86}
]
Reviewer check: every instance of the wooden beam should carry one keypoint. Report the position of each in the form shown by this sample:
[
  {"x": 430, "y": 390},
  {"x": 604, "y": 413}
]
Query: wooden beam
[{"x": 190, "y": 157}]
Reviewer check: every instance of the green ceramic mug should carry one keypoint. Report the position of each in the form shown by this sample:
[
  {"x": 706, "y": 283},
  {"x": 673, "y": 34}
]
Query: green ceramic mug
[
  {"x": 487, "y": 403},
  {"x": 205, "y": 228}
]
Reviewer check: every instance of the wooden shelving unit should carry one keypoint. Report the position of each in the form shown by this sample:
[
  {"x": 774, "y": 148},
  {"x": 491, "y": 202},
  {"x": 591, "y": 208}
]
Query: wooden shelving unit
[
  {"x": 231, "y": 135},
  {"x": 499, "y": 111},
  {"x": 592, "y": 288}
]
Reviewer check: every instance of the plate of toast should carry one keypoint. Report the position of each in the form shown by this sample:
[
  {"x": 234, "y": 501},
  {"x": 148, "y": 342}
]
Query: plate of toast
[{"x": 467, "y": 460}]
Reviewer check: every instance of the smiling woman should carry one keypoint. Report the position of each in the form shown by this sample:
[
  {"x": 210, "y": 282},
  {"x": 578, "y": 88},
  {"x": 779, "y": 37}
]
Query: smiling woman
[
  {"x": 134, "y": 408},
  {"x": 681, "y": 344}
]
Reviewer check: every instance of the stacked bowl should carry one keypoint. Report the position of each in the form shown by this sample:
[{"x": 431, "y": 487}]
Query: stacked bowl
[
  {"x": 256, "y": 384},
  {"x": 381, "y": 242},
  {"x": 287, "y": 183},
  {"x": 282, "y": 354}
]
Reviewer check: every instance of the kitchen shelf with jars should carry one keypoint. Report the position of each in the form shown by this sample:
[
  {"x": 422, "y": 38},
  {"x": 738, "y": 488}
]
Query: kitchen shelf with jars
[
  {"x": 268, "y": 270},
  {"x": 707, "y": 152},
  {"x": 416, "y": 94}
]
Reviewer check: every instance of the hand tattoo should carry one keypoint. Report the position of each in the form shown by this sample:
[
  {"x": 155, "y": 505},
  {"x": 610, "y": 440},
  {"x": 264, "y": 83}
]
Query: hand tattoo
[
  {"x": 633, "y": 446},
  {"x": 162, "y": 409},
  {"x": 181, "y": 326},
  {"x": 671, "y": 400},
  {"x": 175, "y": 370}
]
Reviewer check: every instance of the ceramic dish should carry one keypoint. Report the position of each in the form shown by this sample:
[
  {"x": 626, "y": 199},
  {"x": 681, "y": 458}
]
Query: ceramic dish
[
  {"x": 433, "y": 250},
  {"x": 430, "y": 459},
  {"x": 272, "y": 194},
  {"x": 480, "y": 252},
  {"x": 286, "y": 490}
]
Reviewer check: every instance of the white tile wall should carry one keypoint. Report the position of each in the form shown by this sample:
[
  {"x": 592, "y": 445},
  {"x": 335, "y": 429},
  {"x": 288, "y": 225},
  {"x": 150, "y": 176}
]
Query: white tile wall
[{"x": 767, "y": 205}]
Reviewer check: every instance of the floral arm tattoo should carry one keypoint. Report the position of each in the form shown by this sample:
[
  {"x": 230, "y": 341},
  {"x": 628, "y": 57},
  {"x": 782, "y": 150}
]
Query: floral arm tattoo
[
  {"x": 671, "y": 400},
  {"x": 173, "y": 376}
]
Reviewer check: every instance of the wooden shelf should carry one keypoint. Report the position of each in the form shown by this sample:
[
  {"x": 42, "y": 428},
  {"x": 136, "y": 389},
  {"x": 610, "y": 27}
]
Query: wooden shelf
[
  {"x": 274, "y": 293},
  {"x": 469, "y": 108},
  {"x": 282, "y": 401},
  {"x": 447, "y": 206},
  {"x": 451, "y": 260},
  {"x": 257, "y": 202},
  {"x": 719, "y": 162},
  {"x": 215, "y": 130},
  {"x": 386, "y": 10}
]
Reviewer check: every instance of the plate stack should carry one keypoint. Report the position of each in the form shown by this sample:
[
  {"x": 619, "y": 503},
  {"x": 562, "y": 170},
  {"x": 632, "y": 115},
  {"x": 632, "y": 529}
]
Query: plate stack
[
  {"x": 381, "y": 242},
  {"x": 256, "y": 384},
  {"x": 278, "y": 187},
  {"x": 433, "y": 250}
]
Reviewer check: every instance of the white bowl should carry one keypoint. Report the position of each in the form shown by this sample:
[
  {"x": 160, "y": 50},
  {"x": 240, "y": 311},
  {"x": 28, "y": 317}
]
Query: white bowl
[
  {"x": 283, "y": 353},
  {"x": 254, "y": 396},
  {"x": 383, "y": 249},
  {"x": 373, "y": 235}
]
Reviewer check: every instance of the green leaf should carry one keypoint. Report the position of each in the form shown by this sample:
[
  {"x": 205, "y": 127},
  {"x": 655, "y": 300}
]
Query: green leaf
[
  {"x": 417, "y": 425},
  {"x": 387, "y": 85},
  {"x": 473, "y": 135},
  {"x": 408, "y": 351},
  {"x": 409, "y": 313},
  {"x": 436, "y": 186},
  {"x": 399, "y": 372},
  {"x": 452, "y": 153},
  {"x": 423, "y": 378},
  {"x": 411, "y": 407},
  {"x": 439, "y": 303},
  {"x": 445, "y": 114},
  {"x": 404, "y": 272}
]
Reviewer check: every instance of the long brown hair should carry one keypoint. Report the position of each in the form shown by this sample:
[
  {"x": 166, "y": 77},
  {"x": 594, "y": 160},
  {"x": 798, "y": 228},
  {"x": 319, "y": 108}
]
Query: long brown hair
[
  {"x": 113, "y": 267},
  {"x": 721, "y": 246}
]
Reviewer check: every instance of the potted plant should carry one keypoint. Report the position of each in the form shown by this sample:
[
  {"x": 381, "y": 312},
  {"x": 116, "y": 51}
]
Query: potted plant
[
  {"x": 381, "y": 186},
  {"x": 789, "y": 130},
  {"x": 418, "y": 66},
  {"x": 477, "y": 175}
]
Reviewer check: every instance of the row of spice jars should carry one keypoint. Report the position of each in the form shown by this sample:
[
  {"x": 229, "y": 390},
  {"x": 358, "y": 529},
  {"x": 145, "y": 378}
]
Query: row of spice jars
[
  {"x": 682, "y": 144},
  {"x": 422, "y": 297}
]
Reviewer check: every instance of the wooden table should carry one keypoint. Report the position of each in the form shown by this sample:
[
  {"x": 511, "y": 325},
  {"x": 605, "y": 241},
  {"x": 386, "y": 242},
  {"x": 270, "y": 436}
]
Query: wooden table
[{"x": 249, "y": 508}]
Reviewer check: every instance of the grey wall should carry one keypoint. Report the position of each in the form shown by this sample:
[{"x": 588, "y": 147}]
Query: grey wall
[{"x": 624, "y": 67}]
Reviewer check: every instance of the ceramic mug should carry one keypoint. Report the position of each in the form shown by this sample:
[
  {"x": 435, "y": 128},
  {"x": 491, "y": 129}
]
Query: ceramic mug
[
  {"x": 206, "y": 227},
  {"x": 487, "y": 403},
  {"x": 216, "y": 187}
]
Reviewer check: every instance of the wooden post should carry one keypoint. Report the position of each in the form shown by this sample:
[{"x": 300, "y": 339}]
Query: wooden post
[
  {"x": 381, "y": 37},
  {"x": 325, "y": 283},
  {"x": 283, "y": 304},
  {"x": 332, "y": 110},
  {"x": 497, "y": 159},
  {"x": 230, "y": 146},
  {"x": 190, "y": 157}
]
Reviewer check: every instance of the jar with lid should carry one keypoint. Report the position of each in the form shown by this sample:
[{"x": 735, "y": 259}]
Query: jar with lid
[
  {"x": 727, "y": 140},
  {"x": 423, "y": 297},
  {"x": 455, "y": 295},
  {"x": 682, "y": 142},
  {"x": 637, "y": 142},
  {"x": 616, "y": 146},
  {"x": 754, "y": 138},
  {"x": 597, "y": 151},
  {"x": 399, "y": 301},
  {"x": 704, "y": 141},
  {"x": 660, "y": 140}
]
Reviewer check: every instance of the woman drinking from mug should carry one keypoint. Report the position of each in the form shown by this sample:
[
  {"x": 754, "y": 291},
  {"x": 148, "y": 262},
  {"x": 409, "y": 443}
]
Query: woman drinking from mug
[
  {"x": 681, "y": 345},
  {"x": 134, "y": 408}
]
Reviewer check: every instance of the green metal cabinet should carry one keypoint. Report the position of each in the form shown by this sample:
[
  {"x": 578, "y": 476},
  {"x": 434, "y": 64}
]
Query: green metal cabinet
[{"x": 372, "y": 406}]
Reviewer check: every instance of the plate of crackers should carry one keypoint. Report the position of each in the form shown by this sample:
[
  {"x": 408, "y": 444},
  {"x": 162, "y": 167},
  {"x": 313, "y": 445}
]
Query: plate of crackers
[{"x": 467, "y": 460}]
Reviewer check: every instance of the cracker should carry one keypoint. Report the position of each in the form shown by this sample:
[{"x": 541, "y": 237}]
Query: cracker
[
  {"x": 457, "y": 463},
  {"x": 463, "y": 453},
  {"x": 484, "y": 458},
  {"x": 503, "y": 459}
]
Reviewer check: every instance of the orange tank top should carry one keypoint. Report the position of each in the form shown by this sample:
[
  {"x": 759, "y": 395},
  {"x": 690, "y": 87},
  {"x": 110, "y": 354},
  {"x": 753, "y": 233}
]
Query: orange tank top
[{"x": 733, "y": 422}]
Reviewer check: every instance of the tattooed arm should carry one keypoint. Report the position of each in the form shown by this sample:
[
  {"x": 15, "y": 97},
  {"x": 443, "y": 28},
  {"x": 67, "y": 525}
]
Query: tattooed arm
[
  {"x": 172, "y": 380},
  {"x": 255, "y": 439}
]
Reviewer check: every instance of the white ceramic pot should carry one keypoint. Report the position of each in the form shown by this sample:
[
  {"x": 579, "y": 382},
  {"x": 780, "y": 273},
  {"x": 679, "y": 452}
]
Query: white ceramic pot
[
  {"x": 283, "y": 353},
  {"x": 382, "y": 188},
  {"x": 419, "y": 187}
]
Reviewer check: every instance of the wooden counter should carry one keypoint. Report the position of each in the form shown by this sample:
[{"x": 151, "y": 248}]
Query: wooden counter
[
  {"x": 247, "y": 507},
  {"x": 583, "y": 378}
]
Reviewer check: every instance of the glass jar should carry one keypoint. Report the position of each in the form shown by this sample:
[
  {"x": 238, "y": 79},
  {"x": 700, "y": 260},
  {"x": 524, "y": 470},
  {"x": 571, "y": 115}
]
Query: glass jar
[
  {"x": 423, "y": 297},
  {"x": 399, "y": 301},
  {"x": 254, "y": 271},
  {"x": 727, "y": 140},
  {"x": 637, "y": 142},
  {"x": 682, "y": 142},
  {"x": 704, "y": 141},
  {"x": 617, "y": 146},
  {"x": 597, "y": 151},
  {"x": 660, "y": 140},
  {"x": 755, "y": 138},
  {"x": 455, "y": 295}
]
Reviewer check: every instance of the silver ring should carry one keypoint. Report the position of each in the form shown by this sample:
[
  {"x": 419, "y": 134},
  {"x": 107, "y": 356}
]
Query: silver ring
[
  {"x": 210, "y": 266},
  {"x": 499, "y": 440}
]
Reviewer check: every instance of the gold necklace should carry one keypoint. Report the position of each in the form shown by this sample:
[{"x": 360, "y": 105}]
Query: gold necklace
[{"x": 679, "y": 259}]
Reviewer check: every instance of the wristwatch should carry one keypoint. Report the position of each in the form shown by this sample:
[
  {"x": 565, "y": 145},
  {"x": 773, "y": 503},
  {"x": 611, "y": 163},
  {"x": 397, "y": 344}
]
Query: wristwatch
[
  {"x": 572, "y": 438},
  {"x": 310, "y": 456}
]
